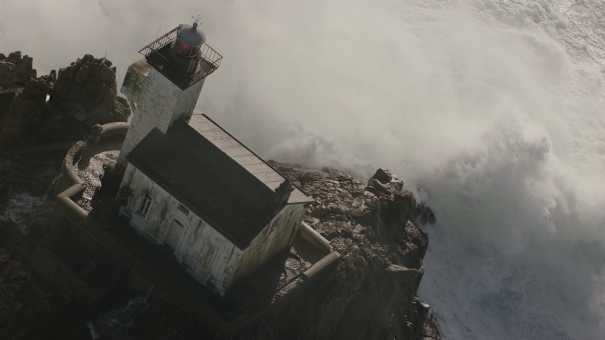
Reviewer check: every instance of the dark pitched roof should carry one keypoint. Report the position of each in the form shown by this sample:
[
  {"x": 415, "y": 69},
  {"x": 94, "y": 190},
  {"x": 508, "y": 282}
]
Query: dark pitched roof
[
  {"x": 205, "y": 175},
  {"x": 243, "y": 155}
]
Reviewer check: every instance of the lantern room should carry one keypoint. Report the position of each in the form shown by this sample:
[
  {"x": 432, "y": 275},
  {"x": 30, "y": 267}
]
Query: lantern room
[
  {"x": 182, "y": 55},
  {"x": 189, "y": 40}
]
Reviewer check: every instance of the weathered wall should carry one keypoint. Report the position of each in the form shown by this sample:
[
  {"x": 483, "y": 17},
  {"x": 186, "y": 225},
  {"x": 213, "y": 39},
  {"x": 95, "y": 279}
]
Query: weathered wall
[
  {"x": 205, "y": 253},
  {"x": 155, "y": 102},
  {"x": 275, "y": 237}
]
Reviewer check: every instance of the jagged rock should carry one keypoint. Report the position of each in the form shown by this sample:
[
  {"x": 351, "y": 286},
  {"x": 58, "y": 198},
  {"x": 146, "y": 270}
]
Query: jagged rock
[
  {"x": 82, "y": 95},
  {"x": 7, "y": 72},
  {"x": 371, "y": 293},
  {"x": 383, "y": 182},
  {"x": 87, "y": 90},
  {"x": 22, "y": 111},
  {"x": 16, "y": 70}
]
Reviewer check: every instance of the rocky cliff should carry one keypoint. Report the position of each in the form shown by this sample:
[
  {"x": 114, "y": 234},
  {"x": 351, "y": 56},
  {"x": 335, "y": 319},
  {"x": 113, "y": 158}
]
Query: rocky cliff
[
  {"x": 51, "y": 108},
  {"x": 377, "y": 225},
  {"x": 372, "y": 292}
]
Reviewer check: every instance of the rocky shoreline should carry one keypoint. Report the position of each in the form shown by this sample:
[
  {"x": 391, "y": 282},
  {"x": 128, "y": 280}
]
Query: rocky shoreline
[
  {"x": 377, "y": 226},
  {"x": 59, "y": 106}
]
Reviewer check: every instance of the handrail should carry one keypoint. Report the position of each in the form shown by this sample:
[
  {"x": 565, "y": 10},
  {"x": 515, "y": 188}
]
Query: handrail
[
  {"x": 159, "y": 43},
  {"x": 76, "y": 184},
  {"x": 207, "y": 52}
]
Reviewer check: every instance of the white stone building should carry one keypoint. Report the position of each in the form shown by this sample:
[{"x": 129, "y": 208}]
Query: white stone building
[{"x": 190, "y": 185}]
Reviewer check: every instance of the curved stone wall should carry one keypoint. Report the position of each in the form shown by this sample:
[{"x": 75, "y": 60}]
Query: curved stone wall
[{"x": 105, "y": 137}]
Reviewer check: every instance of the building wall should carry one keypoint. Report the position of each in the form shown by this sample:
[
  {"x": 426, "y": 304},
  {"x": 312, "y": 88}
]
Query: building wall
[
  {"x": 274, "y": 238},
  {"x": 155, "y": 102},
  {"x": 204, "y": 252}
]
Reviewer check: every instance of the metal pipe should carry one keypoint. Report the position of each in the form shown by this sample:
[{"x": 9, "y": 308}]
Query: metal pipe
[
  {"x": 65, "y": 198},
  {"x": 322, "y": 264},
  {"x": 68, "y": 161},
  {"x": 314, "y": 237}
]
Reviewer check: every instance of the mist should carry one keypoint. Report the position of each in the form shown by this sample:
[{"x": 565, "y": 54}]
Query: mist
[{"x": 491, "y": 110}]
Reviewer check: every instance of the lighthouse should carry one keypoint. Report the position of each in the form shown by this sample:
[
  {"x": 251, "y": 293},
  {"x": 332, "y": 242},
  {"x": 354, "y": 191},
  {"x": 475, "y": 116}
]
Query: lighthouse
[
  {"x": 165, "y": 85},
  {"x": 190, "y": 186}
]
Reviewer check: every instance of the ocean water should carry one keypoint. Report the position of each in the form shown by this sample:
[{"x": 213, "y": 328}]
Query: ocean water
[{"x": 493, "y": 110}]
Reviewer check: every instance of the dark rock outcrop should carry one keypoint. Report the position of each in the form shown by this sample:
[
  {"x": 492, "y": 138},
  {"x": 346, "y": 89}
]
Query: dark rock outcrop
[
  {"x": 15, "y": 70},
  {"x": 87, "y": 90},
  {"x": 372, "y": 293},
  {"x": 52, "y": 108},
  {"x": 22, "y": 95}
]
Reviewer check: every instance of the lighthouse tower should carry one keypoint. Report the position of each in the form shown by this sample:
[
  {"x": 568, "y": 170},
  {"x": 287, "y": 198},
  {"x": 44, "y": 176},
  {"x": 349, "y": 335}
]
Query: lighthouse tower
[{"x": 164, "y": 87}]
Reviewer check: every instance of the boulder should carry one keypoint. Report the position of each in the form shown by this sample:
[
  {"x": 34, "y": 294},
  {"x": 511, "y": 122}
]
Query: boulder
[
  {"x": 383, "y": 182},
  {"x": 16, "y": 70},
  {"x": 87, "y": 91}
]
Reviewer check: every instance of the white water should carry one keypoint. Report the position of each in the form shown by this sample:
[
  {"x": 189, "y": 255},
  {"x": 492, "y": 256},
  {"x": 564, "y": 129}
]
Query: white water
[{"x": 493, "y": 107}]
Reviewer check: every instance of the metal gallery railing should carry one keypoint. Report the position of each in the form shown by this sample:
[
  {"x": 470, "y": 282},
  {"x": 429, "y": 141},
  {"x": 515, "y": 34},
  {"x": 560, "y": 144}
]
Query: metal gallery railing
[{"x": 208, "y": 54}]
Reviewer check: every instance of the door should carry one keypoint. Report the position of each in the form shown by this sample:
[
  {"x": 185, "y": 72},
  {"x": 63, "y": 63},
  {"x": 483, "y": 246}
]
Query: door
[{"x": 175, "y": 233}]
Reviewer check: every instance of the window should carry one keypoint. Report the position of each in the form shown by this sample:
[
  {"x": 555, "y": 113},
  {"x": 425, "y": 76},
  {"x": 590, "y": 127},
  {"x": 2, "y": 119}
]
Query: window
[
  {"x": 183, "y": 209},
  {"x": 145, "y": 205}
]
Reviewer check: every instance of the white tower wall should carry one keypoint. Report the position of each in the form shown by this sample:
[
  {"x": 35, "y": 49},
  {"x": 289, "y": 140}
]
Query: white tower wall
[{"x": 155, "y": 102}]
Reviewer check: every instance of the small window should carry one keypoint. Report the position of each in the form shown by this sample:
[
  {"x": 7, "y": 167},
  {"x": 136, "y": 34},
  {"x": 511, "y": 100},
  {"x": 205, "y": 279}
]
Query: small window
[
  {"x": 145, "y": 205},
  {"x": 183, "y": 209}
]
